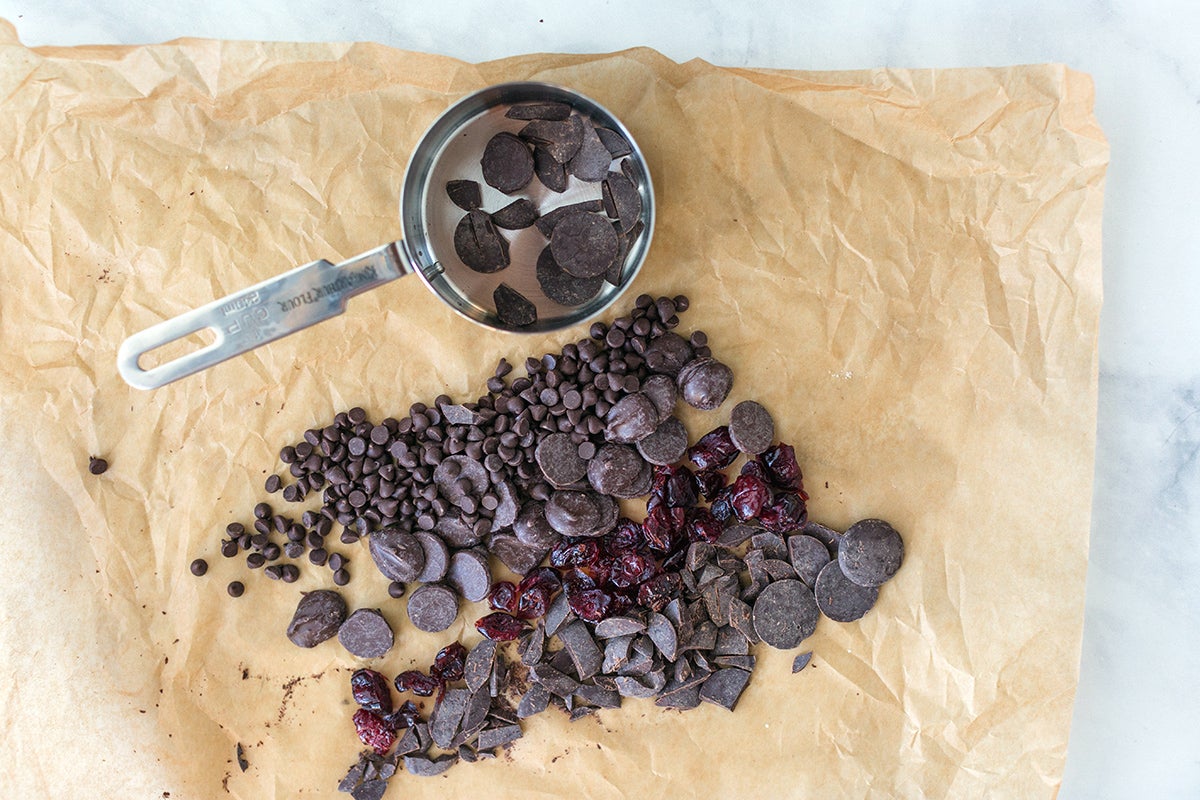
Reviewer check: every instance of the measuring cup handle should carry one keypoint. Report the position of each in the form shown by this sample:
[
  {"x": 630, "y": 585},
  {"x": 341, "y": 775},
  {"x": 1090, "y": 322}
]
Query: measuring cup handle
[{"x": 262, "y": 313}]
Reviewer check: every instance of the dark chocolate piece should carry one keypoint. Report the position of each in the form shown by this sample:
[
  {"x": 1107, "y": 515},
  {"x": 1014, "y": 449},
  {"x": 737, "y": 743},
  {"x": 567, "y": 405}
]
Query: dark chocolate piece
[
  {"x": 614, "y": 142},
  {"x": 724, "y": 687},
  {"x": 479, "y": 245},
  {"x": 870, "y": 552},
  {"x": 318, "y": 616},
  {"x": 840, "y": 598},
  {"x": 469, "y": 575},
  {"x": 551, "y": 173},
  {"x": 562, "y": 287},
  {"x": 785, "y": 613},
  {"x": 397, "y": 553},
  {"x": 433, "y": 607},
  {"x": 667, "y": 444},
  {"x": 366, "y": 634},
  {"x": 584, "y": 245},
  {"x": 465, "y": 194},
  {"x": 515, "y": 216},
  {"x": 808, "y": 556},
  {"x": 513, "y": 308},
  {"x": 592, "y": 160},
  {"x": 541, "y": 109},
  {"x": 507, "y": 163},
  {"x": 558, "y": 456},
  {"x": 751, "y": 427},
  {"x": 561, "y": 139}
]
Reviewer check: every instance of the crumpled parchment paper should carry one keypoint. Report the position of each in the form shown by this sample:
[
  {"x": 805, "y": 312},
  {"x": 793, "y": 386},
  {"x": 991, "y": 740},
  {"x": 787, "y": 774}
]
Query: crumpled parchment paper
[{"x": 902, "y": 265}]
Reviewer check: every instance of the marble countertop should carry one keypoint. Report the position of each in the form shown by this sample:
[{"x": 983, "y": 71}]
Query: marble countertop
[{"x": 1135, "y": 731}]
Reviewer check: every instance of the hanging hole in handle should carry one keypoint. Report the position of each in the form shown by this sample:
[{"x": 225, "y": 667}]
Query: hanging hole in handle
[{"x": 194, "y": 342}]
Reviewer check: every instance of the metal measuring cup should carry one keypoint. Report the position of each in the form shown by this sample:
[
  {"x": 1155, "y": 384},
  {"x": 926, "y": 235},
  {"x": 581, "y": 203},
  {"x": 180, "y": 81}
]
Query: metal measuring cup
[{"x": 450, "y": 149}]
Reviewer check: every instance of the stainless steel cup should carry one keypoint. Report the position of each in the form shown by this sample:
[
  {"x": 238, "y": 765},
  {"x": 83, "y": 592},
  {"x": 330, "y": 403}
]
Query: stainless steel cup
[{"x": 450, "y": 149}]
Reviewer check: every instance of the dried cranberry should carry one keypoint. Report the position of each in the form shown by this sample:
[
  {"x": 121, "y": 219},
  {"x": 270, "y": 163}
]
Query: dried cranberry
[
  {"x": 715, "y": 450},
  {"x": 406, "y": 716},
  {"x": 590, "y": 604},
  {"x": 532, "y": 602},
  {"x": 675, "y": 561},
  {"x": 544, "y": 577},
  {"x": 503, "y": 597},
  {"x": 575, "y": 554},
  {"x": 757, "y": 470},
  {"x": 779, "y": 463},
  {"x": 576, "y": 580},
  {"x": 370, "y": 690},
  {"x": 499, "y": 626},
  {"x": 702, "y": 526},
  {"x": 631, "y": 568},
  {"x": 722, "y": 505},
  {"x": 785, "y": 513},
  {"x": 417, "y": 682},
  {"x": 710, "y": 482},
  {"x": 373, "y": 731},
  {"x": 628, "y": 535},
  {"x": 749, "y": 496},
  {"x": 449, "y": 662},
  {"x": 659, "y": 590},
  {"x": 621, "y": 604},
  {"x": 664, "y": 528},
  {"x": 675, "y": 486}
]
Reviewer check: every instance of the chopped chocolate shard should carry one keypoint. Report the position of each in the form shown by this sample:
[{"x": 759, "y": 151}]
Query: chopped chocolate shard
[
  {"x": 559, "y": 612},
  {"x": 561, "y": 139},
  {"x": 532, "y": 646},
  {"x": 771, "y": 544},
  {"x": 616, "y": 653},
  {"x": 513, "y": 308},
  {"x": 479, "y": 245},
  {"x": 464, "y": 194},
  {"x": 630, "y": 686},
  {"x": 624, "y": 204},
  {"x": 519, "y": 214},
  {"x": 578, "y": 642},
  {"x": 556, "y": 682},
  {"x": 614, "y": 142},
  {"x": 447, "y": 717},
  {"x": 551, "y": 173},
  {"x": 801, "y": 661},
  {"x": 730, "y": 642},
  {"x": 592, "y": 160},
  {"x": 410, "y": 742},
  {"x": 425, "y": 767},
  {"x": 497, "y": 737},
  {"x": 544, "y": 109},
  {"x": 724, "y": 687},
  {"x": 599, "y": 697},
  {"x": 534, "y": 701},
  {"x": 370, "y": 790},
  {"x": 609, "y": 627},
  {"x": 745, "y": 662},
  {"x": 662, "y": 633}
]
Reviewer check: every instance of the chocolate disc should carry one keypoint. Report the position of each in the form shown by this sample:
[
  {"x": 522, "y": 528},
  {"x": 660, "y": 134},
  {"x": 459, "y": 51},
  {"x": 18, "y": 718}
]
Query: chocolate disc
[
  {"x": 433, "y": 607},
  {"x": 584, "y": 245},
  {"x": 507, "y": 163},
  {"x": 808, "y": 556},
  {"x": 593, "y": 159},
  {"x": 469, "y": 574},
  {"x": 518, "y": 214},
  {"x": 667, "y": 444},
  {"x": 397, "y": 553},
  {"x": 480, "y": 246},
  {"x": 751, "y": 427},
  {"x": 870, "y": 552},
  {"x": 562, "y": 287},
  {"x": 437, "y": 557},
  {"x": 785, "y": 613},
  {"x": 366, "y": 634},
  {"x": 840, "y": 598},
  {"x": 560, "y": 139},
  {"x": 558, "y": 456},
  {"x": 614, "y": 469}
]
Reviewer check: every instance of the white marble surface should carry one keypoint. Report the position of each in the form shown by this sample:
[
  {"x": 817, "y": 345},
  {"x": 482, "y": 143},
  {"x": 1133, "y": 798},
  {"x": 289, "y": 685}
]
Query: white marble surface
[{"x": 1136, "y": 731}]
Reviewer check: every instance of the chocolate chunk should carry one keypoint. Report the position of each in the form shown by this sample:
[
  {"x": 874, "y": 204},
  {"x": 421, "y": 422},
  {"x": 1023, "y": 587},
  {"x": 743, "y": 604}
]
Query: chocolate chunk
[
  {"x": 751, "y": 427},
  {"x": 437, "y": 557},
  {"x": 534, "y": 701},
  {"x": 469, "y": 575},
  {"x": 366, "y": 634},
  {"x": 479, "y": 245},
  {"x": 616, "y": 653},
  {"x": 513, "y": 308},
  {"x": 662, "y": 633},
  {"x": 397, "y": 553},
  {"x": 704, "y": 383},
  {"x": 318, "y": 616},
  {"x": 736, "y": 534},
  {"x": 531, "y": 527},
  {"x": 558, "y": 614},
  {"x": 370, "y": 790},
  {"x": 730, "y": 642},
  {"x": 475, "y": 715},
  {"x": 801, "y": 661},
  {"x": 614, "y": 142},
  {"x": 558, "y": 456},
  {"x": 518, "y": 214},
  {"x": 808, "y": 556},
  {"x": 631, "y": 419},
  {"x": 561, "y": 139},
  {"x": 667, "y": 444},
  {"x": 433, "y": 607},
  {"x": 628, "y": 170},
  {"x": 513, "y": 553},
  {"x": 615, "y": 469},
  {"x": 459, "y": 414},
  {"x": 662, "y": 393},
  {"x": 507, "y": 163},
  {"x": 584, "y": 245},
  {"x": 542, "y": 109},
  {"x": 353, "y": 776},
  {"x": 478, "y": 666},
  {"x": 578, "y": 642},
  {"x": 631, "y": 686},
  {"x": 551, "y": 173},
  {"x": 426, "y": 767},
  {"x": 547, "y": 222},
  {"x": 621, "y": 201},
  {"x": 97, "y": 465},
  {"x": 668, "y": 353},
  {"x": 785, "y": 613},
  {"x": 598, "y": 696},
  {"x": 745, "y": 661},
  {"x": 683, "y": 695},
  {"x": 612, "y": 626},
  {"x": 447, "y": 715},
  {"x": 562, "y": 287},
  {"x": 465, "y": 194},
  {"x": 593, "y": 159},
  {"x": 840, "y": 598},
  {"x": 497, "y": 737},
  {"x": 555, "y": 681},
  {"x": 724, "y": 687},
  {"x": 532, "y": 646},
  {"x": 870, "y": 552}
]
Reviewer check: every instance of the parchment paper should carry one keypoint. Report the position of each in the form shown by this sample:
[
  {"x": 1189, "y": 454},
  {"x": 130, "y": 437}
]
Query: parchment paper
[{"x": 904, "y": 266}]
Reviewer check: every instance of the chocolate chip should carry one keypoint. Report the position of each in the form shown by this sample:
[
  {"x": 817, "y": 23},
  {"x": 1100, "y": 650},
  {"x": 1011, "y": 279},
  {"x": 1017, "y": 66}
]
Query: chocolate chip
[
  {"x": 507, "y": 163},
  {"x": 562, "y": 287},
  {"x": 433, "y": 607},
  {"x": 398, "y": 554},
  {"x": 584, "y": 245},
  {"x": 543, "y": 109},
  {"x": 513, "y": 308},
  {"x": 801, "y": 661},
  {"x": 614, "y": 142},
  {"x": 668, "y": 353},
  {"x": 469, "y": 575},
  {"x": 751, "y": 427},
  {"x": 479, "y": 245},
  {"x": 341, "y": 577},
  {"x": 551, "y": 173},
  {"x": 558, "y": 457},
  {"x": 870, "y": 552},
  {"x": 621, "y": 201},
  {"x": 396, "y": 590},
  {"x": 667, "y": 444},
  {"x": 366, "y": 634},
  {"x": 840, "y": 598},
  {"x": 198, "y": 567},
  {"x": 97, "y": 465},
  {"x": 631, "y": 419},
  {"x": 724, "y": 687},
  {"x": 593, "y": 159},
  {"x": 235, "y": 588},
  {"x": 561, "y": 139},
  {"x": 704, "y": 383},
  {"x": 437, "y": 557},
  {"x": 785, "y": 613},
  {"x": 318, "y": 616},
  {"x": 808, "y": 556},
  {"x": 464, "y": 194},
  {"x": 518, "y": 214}
]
